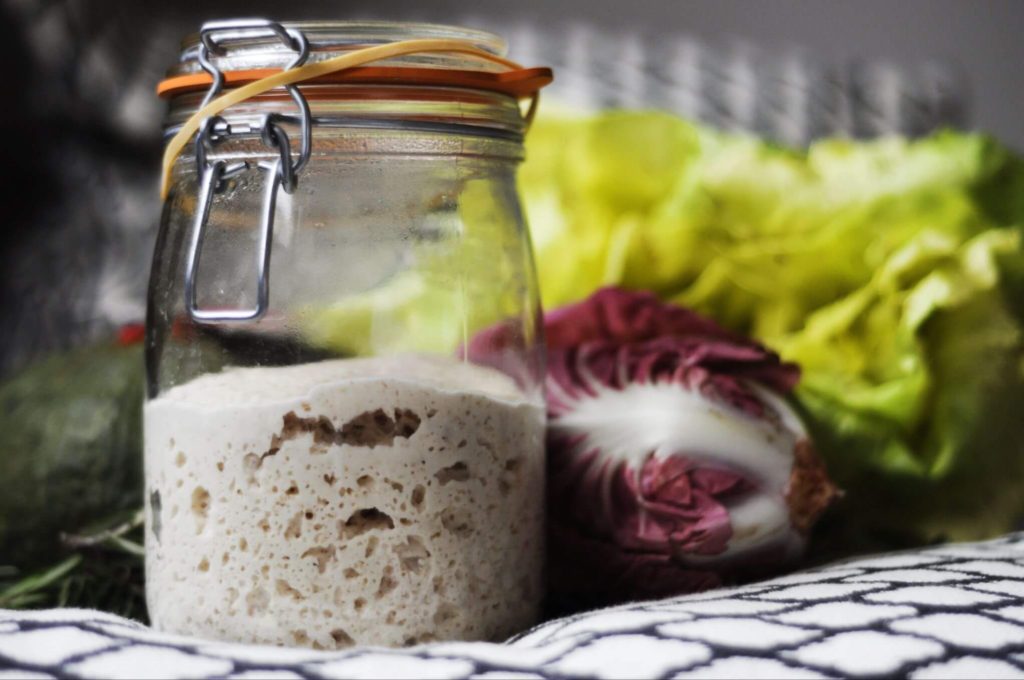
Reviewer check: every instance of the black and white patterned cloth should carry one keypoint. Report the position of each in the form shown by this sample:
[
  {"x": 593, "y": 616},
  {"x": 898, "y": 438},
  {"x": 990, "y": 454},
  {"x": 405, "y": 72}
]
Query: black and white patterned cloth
[{"x": 955, "y": 611}]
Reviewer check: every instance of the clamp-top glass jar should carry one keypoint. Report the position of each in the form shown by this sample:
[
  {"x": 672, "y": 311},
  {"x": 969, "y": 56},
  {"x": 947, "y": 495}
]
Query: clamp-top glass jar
[{"x": 334, "y": 452}]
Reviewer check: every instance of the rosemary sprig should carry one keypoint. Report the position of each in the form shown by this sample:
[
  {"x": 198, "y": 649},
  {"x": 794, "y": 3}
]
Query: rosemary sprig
[
  {"x": 113, "y": 537},
  {"x": 30, "y": 589},
  {"x": 104, "y": 571}
]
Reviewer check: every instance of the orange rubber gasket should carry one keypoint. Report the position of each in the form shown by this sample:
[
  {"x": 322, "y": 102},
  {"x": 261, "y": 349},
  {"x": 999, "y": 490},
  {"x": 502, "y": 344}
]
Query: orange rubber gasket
[
  {"x": 374, "y": 92},
  {"x": 516, "y": 83}
]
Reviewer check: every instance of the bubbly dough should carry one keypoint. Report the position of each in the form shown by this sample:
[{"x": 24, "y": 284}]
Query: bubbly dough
[{"x": 383, "y": 501}]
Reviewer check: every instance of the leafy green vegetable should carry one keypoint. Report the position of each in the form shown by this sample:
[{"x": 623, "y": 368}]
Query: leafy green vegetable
[
  {"x": 892, "y": 271},
  {"x": 466, "y": 270}
]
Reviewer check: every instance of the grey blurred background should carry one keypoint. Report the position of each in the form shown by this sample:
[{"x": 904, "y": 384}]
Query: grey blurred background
[
  {"x": 82, "y": 123},
  {"x": 983, "y": 40}
]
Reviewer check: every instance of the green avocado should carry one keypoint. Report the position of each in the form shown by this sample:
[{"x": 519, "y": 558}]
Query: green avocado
[{"x": 70, "y": 448}]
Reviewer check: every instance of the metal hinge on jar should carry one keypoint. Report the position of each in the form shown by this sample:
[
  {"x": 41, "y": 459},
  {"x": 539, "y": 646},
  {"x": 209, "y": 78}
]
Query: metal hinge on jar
[{"x": 282, "y": 173}]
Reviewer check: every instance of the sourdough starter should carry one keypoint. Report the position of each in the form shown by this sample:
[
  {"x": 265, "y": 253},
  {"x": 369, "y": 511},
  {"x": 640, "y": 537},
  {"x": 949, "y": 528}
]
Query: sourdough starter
[{"x": 326, "y": 505}]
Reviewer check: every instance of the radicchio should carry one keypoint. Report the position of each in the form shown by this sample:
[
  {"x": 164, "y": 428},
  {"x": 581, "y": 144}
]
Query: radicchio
[{"x": 674, "y": 461}]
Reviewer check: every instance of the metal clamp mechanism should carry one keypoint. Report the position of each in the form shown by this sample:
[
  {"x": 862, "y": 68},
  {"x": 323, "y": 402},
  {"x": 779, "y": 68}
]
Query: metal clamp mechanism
[{"x": 282, "y": 173}]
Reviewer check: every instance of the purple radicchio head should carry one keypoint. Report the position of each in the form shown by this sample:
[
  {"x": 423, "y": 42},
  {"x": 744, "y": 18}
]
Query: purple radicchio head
[{"x": 674, "y": 460}]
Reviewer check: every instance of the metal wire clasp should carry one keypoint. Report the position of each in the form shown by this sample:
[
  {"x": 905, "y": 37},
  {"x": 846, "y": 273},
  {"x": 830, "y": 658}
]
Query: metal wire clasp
[{"x": 281, "y": 173}]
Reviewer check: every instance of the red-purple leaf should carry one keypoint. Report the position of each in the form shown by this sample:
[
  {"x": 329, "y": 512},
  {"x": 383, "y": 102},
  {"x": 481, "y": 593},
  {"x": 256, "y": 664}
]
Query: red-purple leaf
[{"x": 674, "y": 459}]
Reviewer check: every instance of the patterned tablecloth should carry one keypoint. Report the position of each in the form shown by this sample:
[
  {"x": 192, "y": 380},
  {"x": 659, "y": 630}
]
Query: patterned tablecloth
[{"x": 951, "y": 611}]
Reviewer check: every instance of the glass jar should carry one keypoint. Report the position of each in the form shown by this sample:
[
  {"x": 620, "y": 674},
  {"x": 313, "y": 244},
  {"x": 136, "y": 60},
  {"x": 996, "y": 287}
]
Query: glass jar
[{"x": 338, "y": 450}]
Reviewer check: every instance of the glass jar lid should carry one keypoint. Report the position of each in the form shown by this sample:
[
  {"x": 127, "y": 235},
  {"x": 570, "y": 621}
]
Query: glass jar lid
[{"x": 254, "y": 58}]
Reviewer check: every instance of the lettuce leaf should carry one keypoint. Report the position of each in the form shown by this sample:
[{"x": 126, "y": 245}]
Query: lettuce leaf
[{"x": 465, "y": 268}]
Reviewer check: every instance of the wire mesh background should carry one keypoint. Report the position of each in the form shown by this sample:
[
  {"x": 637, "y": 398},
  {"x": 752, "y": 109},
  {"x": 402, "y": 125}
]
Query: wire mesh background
[{"x": 791, "y": 96}]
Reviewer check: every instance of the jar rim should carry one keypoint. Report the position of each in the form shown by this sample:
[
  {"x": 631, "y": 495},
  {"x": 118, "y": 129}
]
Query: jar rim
[
  {"x": 330, "y": 38},
  {"x": 398, "y": 30},
  {"x": 253, "y": 54}
]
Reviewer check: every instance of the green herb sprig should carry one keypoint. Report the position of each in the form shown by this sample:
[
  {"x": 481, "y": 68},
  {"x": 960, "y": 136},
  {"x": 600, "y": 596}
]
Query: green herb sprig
[{"x": 104, "y": 570}]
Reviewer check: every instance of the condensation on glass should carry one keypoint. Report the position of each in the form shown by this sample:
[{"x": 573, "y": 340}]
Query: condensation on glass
[{"x": 344, "y": 418}]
